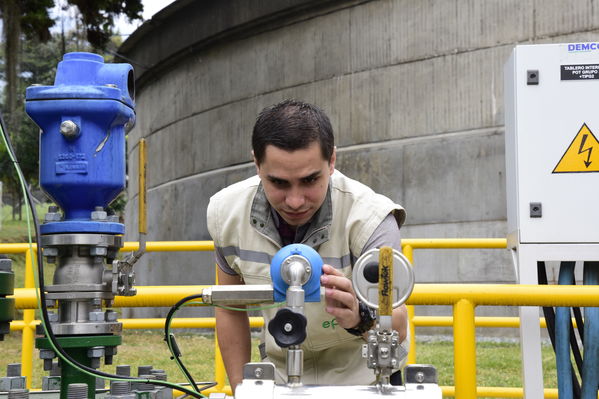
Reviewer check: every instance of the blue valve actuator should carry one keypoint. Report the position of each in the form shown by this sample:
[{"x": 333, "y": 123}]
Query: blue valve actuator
[
  {"x": 83, "y": 119},
  {"x": 311, "y": 287}
]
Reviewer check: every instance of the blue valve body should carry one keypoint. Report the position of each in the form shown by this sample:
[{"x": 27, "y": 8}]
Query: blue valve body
[
  {"x": 311, "y": 287},
  {"x": 87, "y": 171}
]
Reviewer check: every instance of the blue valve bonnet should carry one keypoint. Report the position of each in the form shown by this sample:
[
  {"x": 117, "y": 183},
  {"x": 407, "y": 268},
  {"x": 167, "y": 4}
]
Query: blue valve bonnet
[
  {"x": 311, "y": 287},
  {"x": 85, "y": 170}
]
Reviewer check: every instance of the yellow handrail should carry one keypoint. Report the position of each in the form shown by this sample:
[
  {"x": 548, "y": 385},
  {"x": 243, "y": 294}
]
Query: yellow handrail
[{"x": 463, "y": 297}]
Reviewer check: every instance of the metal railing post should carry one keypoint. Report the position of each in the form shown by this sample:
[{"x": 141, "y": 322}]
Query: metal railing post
[
  {"x": 29, "y": 322},
  {"x": 408, "y": 251},
  {"x": 464, "y": 350}
]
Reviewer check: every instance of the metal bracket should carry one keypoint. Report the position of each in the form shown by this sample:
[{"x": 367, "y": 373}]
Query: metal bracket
[{"x": 123, "y": 278}]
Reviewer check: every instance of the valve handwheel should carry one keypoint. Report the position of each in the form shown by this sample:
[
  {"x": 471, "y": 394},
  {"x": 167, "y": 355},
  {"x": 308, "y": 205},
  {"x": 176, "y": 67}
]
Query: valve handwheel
[{"x": 288, "y": 328}]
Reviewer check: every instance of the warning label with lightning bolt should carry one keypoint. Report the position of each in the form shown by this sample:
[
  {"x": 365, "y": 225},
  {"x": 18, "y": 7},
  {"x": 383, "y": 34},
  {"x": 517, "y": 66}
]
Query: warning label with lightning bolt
[{"x": 582, "y": 156}]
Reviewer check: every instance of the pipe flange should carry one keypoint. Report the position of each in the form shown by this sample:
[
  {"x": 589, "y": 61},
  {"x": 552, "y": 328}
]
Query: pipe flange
[
  {"x": 86, "y": 328},
  {"x": 101, "y": 240}
]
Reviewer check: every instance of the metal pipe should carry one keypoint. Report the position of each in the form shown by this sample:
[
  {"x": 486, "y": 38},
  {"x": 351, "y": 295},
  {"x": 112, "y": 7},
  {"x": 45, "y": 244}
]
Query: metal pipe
[
  {"x": 464, "y": 350},
  {"x": 423, "y": 294},
  {"x": 454, "y": 243},
  {"x": 408, "y": 251},
  {"x": 28, "y": 318}
]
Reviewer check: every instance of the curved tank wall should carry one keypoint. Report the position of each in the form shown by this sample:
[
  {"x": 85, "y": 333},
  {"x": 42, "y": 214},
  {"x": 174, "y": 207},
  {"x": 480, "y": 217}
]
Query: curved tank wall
[{"x": 414, "y": 90}]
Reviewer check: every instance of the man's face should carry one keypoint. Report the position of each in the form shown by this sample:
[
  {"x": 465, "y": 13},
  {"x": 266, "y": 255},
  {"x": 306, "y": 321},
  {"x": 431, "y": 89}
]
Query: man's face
[{"x": 296, "y": 182}]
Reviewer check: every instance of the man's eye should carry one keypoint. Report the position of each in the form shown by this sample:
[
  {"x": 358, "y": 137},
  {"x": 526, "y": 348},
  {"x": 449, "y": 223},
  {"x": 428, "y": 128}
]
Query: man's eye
[
  {"x": 278, "y": 182},
  {"x": 310, "y": 180}
]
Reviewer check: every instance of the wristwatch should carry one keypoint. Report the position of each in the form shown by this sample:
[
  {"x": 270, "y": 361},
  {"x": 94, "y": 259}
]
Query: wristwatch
[{"x": 367, "y": 319}]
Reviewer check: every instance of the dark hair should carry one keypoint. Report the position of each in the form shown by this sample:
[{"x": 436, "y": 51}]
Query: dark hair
[{"x": 292, "y": 125}]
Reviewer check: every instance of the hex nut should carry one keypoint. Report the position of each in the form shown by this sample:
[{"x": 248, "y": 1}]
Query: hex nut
[
  {"x": 49, "y": 251},
  {"x": 98, "y": 251},
  {"x": 47, "y": 354},
  {"x": 99, "y": 215},
  {"x": 111, "y": 315},
  {"x": 97, "y": 316},
  {"x": 52, "y": 217},
  {"x": 96, "y": 351}
]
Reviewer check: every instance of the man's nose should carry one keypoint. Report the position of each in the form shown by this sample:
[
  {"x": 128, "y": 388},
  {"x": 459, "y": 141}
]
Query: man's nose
[{"x": 295, "y": 199}]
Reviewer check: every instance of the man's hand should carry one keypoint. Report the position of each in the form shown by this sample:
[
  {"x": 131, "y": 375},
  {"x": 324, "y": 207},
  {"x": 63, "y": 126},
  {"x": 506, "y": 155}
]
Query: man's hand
[{"x": 341, "y": 300}]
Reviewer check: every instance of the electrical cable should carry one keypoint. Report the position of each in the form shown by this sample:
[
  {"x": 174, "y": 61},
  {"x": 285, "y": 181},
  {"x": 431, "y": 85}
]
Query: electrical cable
[
  {"x": 171, "y": 342},
  {"x": 590, "y": 375},
  {"x": 549, "y": 314},
  {"x": 41, "y": 295},
  {"x": 563, "y": 325}
]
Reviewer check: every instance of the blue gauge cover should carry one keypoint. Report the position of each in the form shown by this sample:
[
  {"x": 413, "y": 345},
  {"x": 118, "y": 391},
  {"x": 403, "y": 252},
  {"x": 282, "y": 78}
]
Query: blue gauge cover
[{"x": 312, "y": 286}]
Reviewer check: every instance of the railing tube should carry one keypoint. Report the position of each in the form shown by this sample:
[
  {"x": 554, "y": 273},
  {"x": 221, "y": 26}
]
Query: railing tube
[
  {"x": 408, "y": 251},
  {"x": 29, "y": 322},
  {"x": 464, "y": 350}
]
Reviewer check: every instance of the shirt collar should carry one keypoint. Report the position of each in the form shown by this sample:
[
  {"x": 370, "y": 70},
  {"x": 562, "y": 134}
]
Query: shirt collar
[{"x": 266, "y": 220}]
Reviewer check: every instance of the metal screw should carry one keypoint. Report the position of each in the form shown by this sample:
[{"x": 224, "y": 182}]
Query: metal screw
[
  {"x": 123, "y": 369},
  {"x": 419, "y": 377},
  {"x": 69, "y": 129},
  {"x": 77, "y": 391},
  {"x": 18, "y": 394},
  {"x": 259, "y": 372},
  {"x": 384, "y": 352},
  {"x": 120, "y": 387},
  {"x": 288, "y": 327},
  {"x": 14, "y": 369}
]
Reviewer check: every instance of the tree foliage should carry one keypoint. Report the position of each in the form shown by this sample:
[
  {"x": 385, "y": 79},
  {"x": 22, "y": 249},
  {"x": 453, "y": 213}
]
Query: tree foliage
[{"x": 30, "y": 55}]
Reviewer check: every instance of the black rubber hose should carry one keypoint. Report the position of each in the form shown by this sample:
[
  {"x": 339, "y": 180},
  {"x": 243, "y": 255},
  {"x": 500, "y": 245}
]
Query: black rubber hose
[{"x": 549, "y": 314}]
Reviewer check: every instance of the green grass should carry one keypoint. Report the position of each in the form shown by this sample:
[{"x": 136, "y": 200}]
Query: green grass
[
  {"x": 498, "y": 363},
  {"x": 140, "y": 347}
]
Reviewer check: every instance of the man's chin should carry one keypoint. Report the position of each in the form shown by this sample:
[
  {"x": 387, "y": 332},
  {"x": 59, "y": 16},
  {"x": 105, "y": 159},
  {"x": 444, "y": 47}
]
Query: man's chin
[{"x": 296, "y": 220}]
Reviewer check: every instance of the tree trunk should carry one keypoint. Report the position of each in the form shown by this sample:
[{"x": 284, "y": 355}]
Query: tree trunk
[
  {"x": 11, "y": 15},
  {"x": 12, "y": 34}
]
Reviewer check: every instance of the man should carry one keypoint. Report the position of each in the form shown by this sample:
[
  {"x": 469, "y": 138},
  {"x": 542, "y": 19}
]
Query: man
[{"x": 298, "y": 196}]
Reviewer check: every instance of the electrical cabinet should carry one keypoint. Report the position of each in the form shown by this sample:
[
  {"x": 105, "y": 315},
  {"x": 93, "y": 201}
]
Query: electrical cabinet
[{"x": 552, "y": 148}]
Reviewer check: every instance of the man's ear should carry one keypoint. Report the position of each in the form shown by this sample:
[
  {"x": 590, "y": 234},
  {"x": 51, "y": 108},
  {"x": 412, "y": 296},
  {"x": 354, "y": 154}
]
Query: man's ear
[
  {"x": 332, "y": 161},
  {"x": 256, "y": 163}
]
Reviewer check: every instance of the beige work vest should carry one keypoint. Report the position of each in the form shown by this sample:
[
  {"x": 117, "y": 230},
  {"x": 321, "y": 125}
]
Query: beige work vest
[{"x": 240, "y": 224}]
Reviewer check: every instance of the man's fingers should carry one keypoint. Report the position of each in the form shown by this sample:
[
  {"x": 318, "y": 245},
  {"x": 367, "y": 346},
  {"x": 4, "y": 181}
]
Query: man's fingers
[
  {"x": 328, "y": 269},
  {"x": 344, "y": 298},
  {"x": 339, "y": 282}
]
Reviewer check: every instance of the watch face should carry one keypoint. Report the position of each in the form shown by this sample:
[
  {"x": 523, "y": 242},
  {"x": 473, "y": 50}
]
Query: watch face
[{"x": 372, "y": 313}]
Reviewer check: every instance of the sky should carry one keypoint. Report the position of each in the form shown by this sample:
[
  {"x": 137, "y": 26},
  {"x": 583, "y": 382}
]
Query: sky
[
  {"x": 151, "y": 7},
  {"x": 124, "y": 27}
]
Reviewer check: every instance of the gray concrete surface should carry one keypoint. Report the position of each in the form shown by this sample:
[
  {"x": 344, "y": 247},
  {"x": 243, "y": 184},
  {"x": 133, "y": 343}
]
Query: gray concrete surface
[{"x": 414, "y": 90}]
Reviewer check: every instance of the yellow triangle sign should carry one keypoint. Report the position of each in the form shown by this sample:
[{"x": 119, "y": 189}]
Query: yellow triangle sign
[{"x": 582, "y": 155}]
